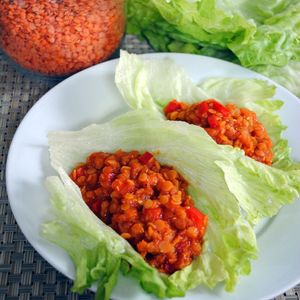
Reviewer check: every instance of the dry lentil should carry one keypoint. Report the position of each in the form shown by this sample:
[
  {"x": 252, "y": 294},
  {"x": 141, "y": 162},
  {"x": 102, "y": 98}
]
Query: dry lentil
[
  {"x": 156, "y": 216},
  {"x": 60, "y": 37}
]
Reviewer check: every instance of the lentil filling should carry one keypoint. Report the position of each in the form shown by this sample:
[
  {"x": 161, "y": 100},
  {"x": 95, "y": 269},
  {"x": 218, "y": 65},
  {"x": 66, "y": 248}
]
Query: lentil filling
[
  {"x": 227, "y": 125},
  {"x": 146, "y": 203}
]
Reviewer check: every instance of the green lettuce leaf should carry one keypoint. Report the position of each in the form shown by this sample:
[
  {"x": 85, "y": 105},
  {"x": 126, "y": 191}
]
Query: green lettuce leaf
[
  {"x": 222, "y": 181},
  {"x": 288, "y": 76},
  {"x": 96, "y": 250},
  {"x": 142, "y": 83},
  {"x": 262, "y": 34},
  {"x": 150, "y": 93}
]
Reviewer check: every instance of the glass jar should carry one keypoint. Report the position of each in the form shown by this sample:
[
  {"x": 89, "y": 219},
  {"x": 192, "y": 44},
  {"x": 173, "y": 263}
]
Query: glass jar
[{"x": 60, "y": 37}]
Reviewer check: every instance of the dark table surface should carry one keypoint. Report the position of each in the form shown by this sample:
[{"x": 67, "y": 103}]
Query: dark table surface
[{"x": 24, "y": 274}]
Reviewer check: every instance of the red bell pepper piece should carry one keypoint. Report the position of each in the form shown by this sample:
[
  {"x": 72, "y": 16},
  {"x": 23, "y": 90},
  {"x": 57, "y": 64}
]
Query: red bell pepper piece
[
  {"x": 145, "y": 158},
  {"x": 213, "y": 121},
  {"x": 202, "y": 108},
  {"x": 172, "y": 106},
  {"x": 220, "y": 108},
  {"x": 198, "y": 218}
]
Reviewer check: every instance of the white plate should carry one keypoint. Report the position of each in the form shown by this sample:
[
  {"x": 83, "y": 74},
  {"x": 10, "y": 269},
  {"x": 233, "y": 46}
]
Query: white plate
[{"x": 91, "y": 96}]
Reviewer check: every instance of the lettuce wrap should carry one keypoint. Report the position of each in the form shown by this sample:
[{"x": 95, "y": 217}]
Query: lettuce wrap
[
  {"x": 152, "y": 83},
  {"x": 235, "y": 191}
]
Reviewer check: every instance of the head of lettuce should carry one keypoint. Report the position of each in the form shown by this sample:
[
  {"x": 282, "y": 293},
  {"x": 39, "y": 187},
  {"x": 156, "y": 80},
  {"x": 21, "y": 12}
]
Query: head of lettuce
[{"x": 261, "y": 35}]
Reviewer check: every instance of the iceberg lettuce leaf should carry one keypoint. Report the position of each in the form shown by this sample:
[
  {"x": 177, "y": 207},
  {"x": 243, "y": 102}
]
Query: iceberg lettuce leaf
[
  {"x": 288, "y": 76},
  {"x": 221, "y": 182},
  {"x": 147, "y": 83}
]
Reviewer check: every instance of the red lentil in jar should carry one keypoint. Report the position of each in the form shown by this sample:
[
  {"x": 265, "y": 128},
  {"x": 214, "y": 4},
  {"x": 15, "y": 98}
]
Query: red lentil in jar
[
  {"x": 146, "y": 203},
  {"x": 60, "y": 37},
  {"x": 227, "y": 125}
]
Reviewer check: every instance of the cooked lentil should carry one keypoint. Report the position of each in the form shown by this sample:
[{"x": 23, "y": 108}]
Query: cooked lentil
[
  {"x": 59, "y": 37},
  {"x": 146, "y": 203},
  {"x": 227, "y": 125}
]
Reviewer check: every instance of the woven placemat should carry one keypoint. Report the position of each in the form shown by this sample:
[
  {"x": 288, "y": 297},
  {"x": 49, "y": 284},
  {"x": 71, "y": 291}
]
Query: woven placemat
[{"x": 24, "y": 274}]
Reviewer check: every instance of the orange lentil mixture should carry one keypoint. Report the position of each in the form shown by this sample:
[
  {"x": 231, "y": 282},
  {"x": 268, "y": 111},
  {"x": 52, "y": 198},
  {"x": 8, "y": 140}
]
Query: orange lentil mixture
[
  {"x": 227, "y": 125},
  {"x": 146, "y": 203},
  {"x": 60, "y": 37}
]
